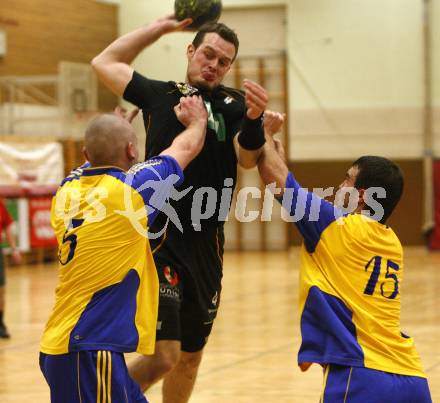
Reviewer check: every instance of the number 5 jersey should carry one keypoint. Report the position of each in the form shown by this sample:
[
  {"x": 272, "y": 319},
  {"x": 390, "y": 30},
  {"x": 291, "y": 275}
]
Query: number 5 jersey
[{"x": 108, "y": 289}]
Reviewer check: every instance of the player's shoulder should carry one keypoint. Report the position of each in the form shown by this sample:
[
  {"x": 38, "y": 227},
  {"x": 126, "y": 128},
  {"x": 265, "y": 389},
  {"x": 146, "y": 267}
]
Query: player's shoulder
[
  {"x": 359, "y": 224},
  {"x": 368, "y": 230},
  {"x": 139, "y": 79},
  {"x": 229, "y": 101},
  {"x": 141, "y": 85}
]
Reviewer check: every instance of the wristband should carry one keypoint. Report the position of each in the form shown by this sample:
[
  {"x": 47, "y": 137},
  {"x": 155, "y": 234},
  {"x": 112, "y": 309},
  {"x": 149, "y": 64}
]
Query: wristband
[{"x": 251, "y": 136}]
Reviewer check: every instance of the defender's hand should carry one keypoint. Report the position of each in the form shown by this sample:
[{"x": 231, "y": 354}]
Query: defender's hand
[
  {"x": 273, "y": 122},
  {"x": 191, "y": 110},
  {"x": 256, "y": 99}
]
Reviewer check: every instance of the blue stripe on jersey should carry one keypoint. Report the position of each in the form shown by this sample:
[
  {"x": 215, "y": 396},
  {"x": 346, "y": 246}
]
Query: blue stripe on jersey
[
  {"x": 100, "y": 171},
  {"x": 107, "y": 321},
  {"x": 75, "y": 174},
  {"x": 317, "y": 213},
  {"x": 328, "y": 332}
]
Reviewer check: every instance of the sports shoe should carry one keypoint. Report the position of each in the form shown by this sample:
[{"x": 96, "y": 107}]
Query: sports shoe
[{"x": 4, "y": 334}]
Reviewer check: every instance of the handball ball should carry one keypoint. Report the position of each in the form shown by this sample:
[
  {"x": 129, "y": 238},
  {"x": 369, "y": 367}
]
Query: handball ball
[{"x": 201, "y": 11}]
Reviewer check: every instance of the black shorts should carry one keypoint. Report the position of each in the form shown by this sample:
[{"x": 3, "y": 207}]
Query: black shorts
[
  {"x": 2, "y": 269},
  {"x": 190, "y": 270}
]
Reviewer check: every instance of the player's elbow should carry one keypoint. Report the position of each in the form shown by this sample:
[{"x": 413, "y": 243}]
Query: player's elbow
[
  {"x": 97, "y": 64},
  {"x": 115, "y": 76},
  {"x": 103, "y": 64}
]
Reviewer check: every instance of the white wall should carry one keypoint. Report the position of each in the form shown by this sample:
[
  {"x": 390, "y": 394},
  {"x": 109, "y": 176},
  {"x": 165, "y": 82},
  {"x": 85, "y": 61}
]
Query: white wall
[{"x": 357, "y": 53}]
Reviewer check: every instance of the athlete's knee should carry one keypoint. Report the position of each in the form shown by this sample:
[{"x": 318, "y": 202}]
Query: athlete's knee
[
  {"x": 167, "y": 362},
  {"x": 167, "y": 356},
  {"x": 191, "y": 360},
  {"x": 147, "y": 370}
]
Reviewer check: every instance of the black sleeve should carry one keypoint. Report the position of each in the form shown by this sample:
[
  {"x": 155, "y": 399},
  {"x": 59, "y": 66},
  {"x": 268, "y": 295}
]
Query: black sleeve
[{"x": 143, "y": 92}]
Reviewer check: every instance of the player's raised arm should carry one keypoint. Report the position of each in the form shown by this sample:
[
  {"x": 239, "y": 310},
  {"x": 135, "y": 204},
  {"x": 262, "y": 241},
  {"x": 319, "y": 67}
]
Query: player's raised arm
[
  {"x": 191, "y": 112},
  {"x": 113, "y": 64},
  {"x": 310, "y": 213},
  {"x": 272, "y": 165}
]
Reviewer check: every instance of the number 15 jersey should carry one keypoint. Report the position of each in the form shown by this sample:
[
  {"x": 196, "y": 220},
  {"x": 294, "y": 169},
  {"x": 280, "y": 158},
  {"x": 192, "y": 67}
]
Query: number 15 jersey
[{"x": 350, "y": 277}]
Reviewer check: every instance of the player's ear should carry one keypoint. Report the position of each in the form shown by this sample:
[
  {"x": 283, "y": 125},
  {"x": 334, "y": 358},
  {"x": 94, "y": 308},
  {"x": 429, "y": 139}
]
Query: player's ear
[
  {"x": 190, "y": 50},
  {"x": 131, "y": 151}
]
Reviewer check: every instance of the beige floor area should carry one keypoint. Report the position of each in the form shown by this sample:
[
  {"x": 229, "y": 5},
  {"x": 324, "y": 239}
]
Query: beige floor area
[{"x": 251, "y": 356}]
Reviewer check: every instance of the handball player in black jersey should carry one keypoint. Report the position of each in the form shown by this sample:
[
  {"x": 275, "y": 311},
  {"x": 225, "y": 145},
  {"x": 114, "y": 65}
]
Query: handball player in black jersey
[{"x": 188, "y": 252}]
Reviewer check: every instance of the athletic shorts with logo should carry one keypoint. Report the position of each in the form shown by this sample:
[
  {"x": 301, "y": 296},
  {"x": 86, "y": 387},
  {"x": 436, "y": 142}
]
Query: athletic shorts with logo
[{"x": 189, "y": 267}]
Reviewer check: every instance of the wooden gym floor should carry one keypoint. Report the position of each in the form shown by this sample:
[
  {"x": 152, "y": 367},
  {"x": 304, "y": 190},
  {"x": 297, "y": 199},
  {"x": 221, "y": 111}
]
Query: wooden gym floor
[{"x": 252, "y": 352}]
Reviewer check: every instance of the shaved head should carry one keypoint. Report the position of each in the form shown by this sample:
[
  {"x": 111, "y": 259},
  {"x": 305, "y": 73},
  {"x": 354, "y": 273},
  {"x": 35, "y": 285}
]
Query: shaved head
[{"x": 107, "y": 140}]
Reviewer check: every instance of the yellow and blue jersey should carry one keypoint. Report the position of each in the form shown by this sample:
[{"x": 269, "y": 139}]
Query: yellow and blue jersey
[
  {"x": 350, "y": 278},
  {"x": 107, "y": 296}
]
